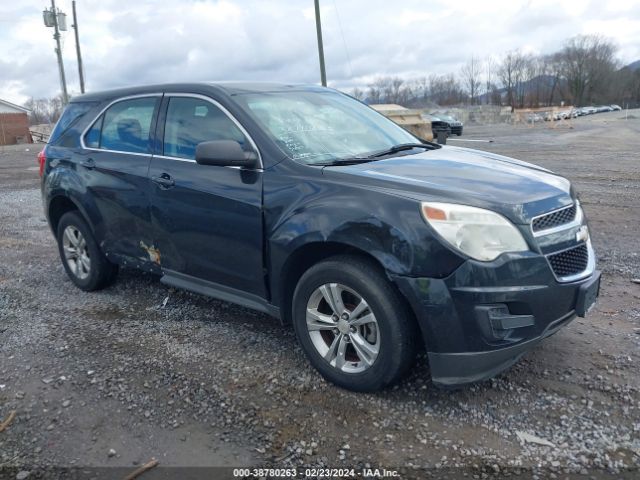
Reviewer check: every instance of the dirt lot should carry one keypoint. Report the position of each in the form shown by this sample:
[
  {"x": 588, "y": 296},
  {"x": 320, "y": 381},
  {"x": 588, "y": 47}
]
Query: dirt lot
[{"x": 114, "y": 378}]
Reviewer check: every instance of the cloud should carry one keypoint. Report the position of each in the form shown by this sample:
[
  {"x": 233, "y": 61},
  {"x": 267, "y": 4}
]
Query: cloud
[{"x": 145, "y": 41}]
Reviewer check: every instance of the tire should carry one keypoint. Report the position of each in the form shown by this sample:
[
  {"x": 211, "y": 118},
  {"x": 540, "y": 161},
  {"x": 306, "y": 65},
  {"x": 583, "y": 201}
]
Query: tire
[
  {"x": 390, "y": 348},
  {"x": 84, "y": 262}
]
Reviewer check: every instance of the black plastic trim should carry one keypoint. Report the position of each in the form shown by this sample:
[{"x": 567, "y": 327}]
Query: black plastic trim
[
  {"x": 220, "y": 292},
  {"x": 453, "y": 370}
]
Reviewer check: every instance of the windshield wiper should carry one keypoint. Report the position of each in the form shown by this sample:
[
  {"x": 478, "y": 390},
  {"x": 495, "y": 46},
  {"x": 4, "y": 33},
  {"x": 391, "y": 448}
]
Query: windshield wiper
[
  {"x": 343, "y": 161},
  {"x": 378, "y": 153},
  {"x": 399, "y": 148}
]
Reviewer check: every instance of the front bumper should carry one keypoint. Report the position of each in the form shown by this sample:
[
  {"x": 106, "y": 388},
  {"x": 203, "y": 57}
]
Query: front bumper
[{"x": 467, "y": 344}]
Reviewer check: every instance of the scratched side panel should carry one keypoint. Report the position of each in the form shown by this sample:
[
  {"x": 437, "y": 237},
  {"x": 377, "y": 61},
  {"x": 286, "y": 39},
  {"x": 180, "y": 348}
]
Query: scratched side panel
[{"x": 304, "y": 206}]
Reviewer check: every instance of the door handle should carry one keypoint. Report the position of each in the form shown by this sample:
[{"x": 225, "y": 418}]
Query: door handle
[
  {"x": 88, "y": 163},
  {"x": 164, "y": 181}
]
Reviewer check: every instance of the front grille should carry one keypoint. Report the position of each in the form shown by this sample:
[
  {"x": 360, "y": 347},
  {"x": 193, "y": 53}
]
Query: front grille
[
  {"x": 570, "y": 262},
  {"x": 554, "y": 219}
]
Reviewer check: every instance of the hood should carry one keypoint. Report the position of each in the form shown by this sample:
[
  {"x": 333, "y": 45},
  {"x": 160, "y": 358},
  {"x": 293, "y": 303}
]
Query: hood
[{"x": 516, "y": 189}]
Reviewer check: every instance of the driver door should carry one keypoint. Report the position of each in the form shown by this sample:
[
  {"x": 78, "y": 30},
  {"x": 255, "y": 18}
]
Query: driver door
[{"x": 207, "y": 219}]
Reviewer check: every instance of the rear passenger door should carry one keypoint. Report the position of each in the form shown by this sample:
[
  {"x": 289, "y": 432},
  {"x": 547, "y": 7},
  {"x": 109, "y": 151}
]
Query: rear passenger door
[
  {"x": 115, "y": 163},
  {"x": 208, "y": 218}
]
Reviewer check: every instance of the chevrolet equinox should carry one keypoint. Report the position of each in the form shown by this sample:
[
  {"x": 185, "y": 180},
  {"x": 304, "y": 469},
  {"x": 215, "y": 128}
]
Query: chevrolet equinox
[{"x": 304, "y": 203}]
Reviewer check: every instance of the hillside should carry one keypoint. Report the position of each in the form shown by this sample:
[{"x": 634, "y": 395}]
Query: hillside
[{"x": 634, "y": 65}]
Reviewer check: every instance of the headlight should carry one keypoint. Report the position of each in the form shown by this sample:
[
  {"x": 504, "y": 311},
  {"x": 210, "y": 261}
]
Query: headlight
[{"x": 481, "y": 234}]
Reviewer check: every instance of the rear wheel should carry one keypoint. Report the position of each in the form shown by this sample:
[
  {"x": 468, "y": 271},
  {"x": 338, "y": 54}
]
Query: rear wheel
[
  {"x": 84, "y": 262},
  {"x": 352, "y": 324}
]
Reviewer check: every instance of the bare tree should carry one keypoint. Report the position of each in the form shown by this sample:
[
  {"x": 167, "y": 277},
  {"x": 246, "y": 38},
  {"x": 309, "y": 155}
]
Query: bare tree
[
  {"x": 374, "y": 92},
  {"x": 588, "y": 62},
  {"x": 491, "y": 89},
  {"x": 420, "y": 88},
  {"x": 533, "y": 81},
  {"x": 470, "y": 74},
  {"x": 445, "y": 90},
  {"x": 357, "y": 93},
  {"x": 513, "y": 75},
  {"x": 552, "y": 70},
  {"x": 507, "y": 74},
  {"x": 44, "y": 110}
]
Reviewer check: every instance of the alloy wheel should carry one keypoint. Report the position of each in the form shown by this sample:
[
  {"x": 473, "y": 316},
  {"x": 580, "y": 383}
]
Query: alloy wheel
[
  {"x": 76, "y": 252},
  {"x": 343, "y": 328}
]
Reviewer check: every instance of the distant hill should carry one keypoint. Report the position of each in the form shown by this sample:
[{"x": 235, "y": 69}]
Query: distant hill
[
  {"x": 634, "y": 66},
  {"x": 541, "y": 81}
]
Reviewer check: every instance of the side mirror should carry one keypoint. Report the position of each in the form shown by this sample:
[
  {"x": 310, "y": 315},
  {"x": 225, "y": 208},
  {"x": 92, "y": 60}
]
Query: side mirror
[{"x": 224, "y": 153}]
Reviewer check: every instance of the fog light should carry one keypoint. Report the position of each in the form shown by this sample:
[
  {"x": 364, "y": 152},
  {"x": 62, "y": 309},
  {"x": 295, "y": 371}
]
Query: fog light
[{"x": 497, "y": 323}]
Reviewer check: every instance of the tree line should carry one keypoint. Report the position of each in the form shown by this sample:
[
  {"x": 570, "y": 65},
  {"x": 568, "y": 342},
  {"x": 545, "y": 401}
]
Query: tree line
[
  {"x": 584, "y": 71},
  {"x": 44, "y": 110}
]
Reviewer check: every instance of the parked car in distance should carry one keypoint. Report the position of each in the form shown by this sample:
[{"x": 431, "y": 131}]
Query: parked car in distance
[
  {"x": 455, "y": 124},
  {"x": 616, "y": 107},
  {"x": 534, "y": 118},
  {"x": 305, "y": 204},
  {"x": 438, "y": 124}
]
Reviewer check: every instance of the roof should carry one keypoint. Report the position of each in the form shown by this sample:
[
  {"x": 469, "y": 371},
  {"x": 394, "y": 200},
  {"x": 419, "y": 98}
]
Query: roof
[
  {"x": 14, "y": 106},
  {"x": 229, "y": 88}
]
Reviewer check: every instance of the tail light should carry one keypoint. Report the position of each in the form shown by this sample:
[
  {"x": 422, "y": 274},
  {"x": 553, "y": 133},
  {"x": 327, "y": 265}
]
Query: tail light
[{"x": 42, "y": 159}]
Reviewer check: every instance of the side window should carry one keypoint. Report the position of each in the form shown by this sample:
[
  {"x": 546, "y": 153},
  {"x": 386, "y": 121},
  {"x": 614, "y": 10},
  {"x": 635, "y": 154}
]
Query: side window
[
  {"x": 191, "y": 121},
  {"x": 92, "y": 137},
  {"x": 124, "y": 126}
]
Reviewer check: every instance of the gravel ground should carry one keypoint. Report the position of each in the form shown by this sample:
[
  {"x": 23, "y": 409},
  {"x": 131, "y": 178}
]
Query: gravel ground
[{"x": 140, "y": 370}]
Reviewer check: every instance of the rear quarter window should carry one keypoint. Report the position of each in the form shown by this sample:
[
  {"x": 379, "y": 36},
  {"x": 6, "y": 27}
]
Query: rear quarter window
[
  {"x": 72, "y": 114},
  {"x": 124, "y": 127}
]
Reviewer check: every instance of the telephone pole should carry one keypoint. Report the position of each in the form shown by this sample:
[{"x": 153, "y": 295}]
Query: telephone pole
[
  {"x": 75, "y": 28},
  {"x": 323, "y": 74},
  {"x": 51, "y": 19}
]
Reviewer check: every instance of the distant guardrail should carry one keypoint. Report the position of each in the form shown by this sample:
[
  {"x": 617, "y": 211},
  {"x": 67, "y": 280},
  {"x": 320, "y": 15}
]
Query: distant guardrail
[{"x": 39, "y": 137}]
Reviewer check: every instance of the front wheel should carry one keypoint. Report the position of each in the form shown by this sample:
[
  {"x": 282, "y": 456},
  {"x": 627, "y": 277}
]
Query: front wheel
[{"x": 353, "y": 325}]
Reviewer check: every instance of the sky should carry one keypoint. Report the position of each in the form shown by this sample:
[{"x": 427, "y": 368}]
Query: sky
[{"x": 135, "y": 42}]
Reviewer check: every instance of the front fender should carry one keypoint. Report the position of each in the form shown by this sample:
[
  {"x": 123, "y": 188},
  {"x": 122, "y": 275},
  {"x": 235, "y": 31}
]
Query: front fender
[
  {"x": 300, "y": 210},
  {"x": 373, "y": 235}
]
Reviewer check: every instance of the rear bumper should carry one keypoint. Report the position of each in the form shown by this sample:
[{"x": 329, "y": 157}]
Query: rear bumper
[{"x": 482, "y": 318}]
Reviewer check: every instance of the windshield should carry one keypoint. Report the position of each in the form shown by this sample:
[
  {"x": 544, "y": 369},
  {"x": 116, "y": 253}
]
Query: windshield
[{"x": 318, "y": 127}]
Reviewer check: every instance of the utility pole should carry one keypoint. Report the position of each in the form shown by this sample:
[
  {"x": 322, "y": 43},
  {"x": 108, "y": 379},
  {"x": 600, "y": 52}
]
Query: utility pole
[
  {"x": 51, "y": 20},
  {"x": 323, "y": 74},
  {"x": 75, "y": 28}
]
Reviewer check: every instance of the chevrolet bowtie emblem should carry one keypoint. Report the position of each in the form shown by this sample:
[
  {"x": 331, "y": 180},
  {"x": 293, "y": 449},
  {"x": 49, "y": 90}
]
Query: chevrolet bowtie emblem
[{"x": 582, "y": 235}]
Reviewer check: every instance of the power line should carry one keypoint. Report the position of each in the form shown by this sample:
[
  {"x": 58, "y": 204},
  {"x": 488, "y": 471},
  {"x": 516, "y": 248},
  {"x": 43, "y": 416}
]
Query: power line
[{"x": 344, "y": 42}]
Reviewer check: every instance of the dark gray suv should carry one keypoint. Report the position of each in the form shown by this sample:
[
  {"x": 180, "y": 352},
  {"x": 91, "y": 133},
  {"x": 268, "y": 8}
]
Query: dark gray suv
[{"x": 303, "y": 203}]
